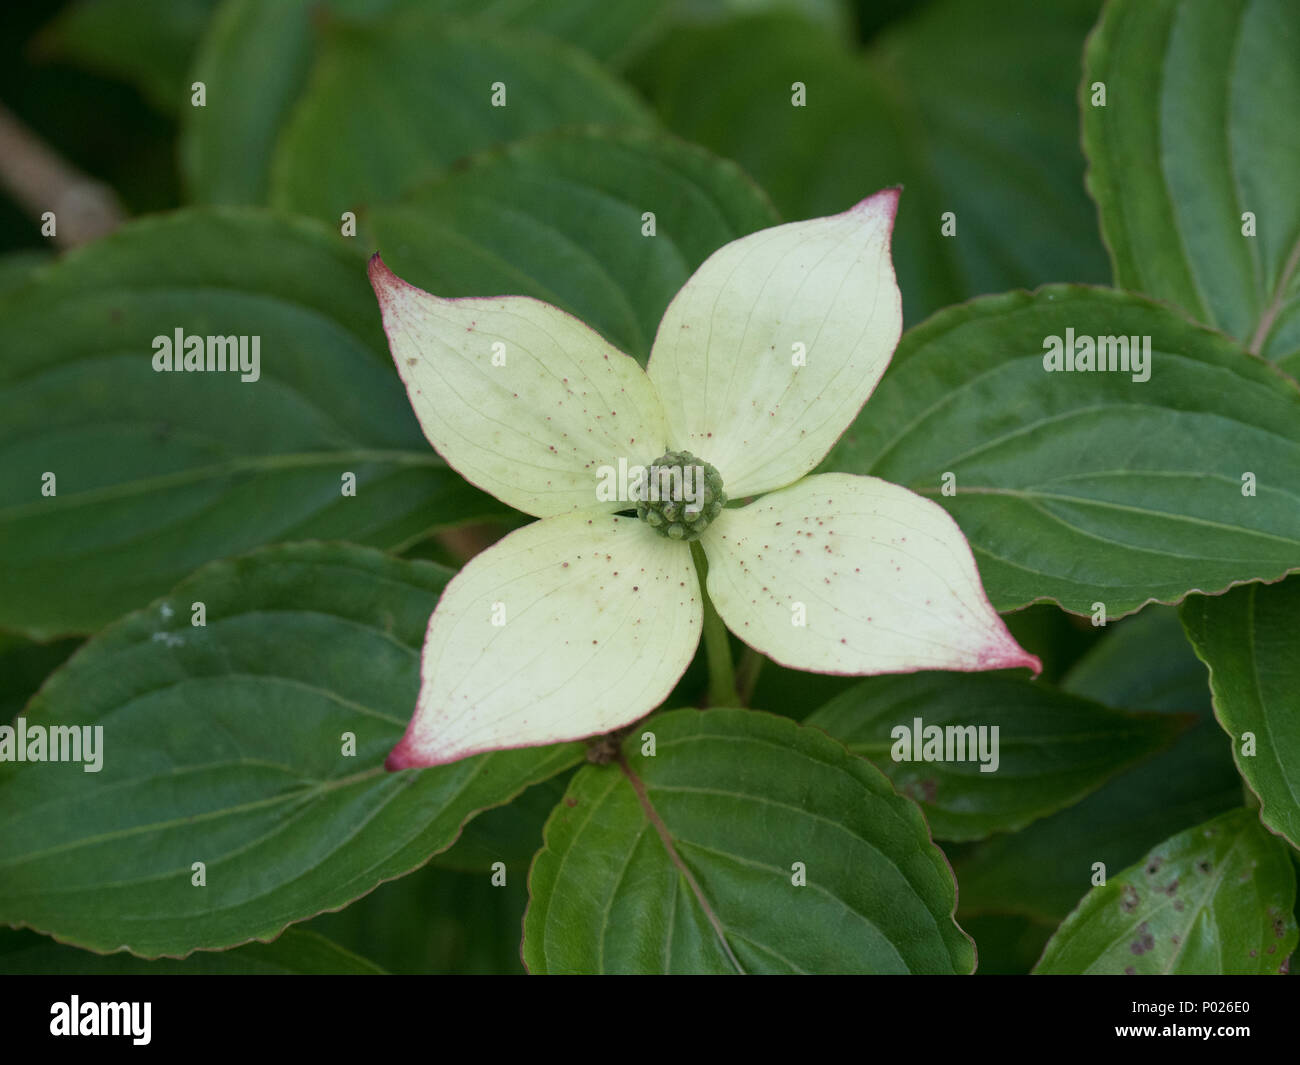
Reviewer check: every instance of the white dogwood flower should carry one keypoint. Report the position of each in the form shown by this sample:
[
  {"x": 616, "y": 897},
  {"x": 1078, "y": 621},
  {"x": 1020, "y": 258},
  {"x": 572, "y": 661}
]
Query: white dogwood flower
[{"x": 583, "y": 622}]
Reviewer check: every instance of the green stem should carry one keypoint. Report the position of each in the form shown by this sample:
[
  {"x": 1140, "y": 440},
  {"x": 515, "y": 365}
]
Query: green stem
[
  {"x": 747, "y": 674},
  {"x": 717, "y": 644}
]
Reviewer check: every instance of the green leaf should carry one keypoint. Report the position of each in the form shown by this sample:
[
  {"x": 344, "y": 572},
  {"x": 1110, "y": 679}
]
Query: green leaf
[
  {"x": 224, "y": 744},
  {"x": 297, "y": 952},
  {"x": 1090, "y": 487},
  {"x": 257, "y": 57},
  {"x": 970, "y": 106},
  {"x": 559, "y": 218},
  {"x": 1042, "y": 871},
  {"x": 815, "y": 160},
  {"x": 985, "y": 103},
  {"x": 157, "y": 473},
  {"x": 18, "y": 267},
  {"x": 1216, "y": 86},
  {"x": 1049, "y": 750},
  {"x": 686, "y": 861},
  {"x": 1144, "y": 663},
  {"x": 1295, "y": 864},
  {"x": 391, "y": 105},
  {"x": 1214, "y": 899},
  {"x": 145, "y": 42},
  {"x": 1248, "y": 639},
  {"x": 610, "y": 33},
  {"x": 833, "y": 15},
  {"x": 253, "y": 61}
]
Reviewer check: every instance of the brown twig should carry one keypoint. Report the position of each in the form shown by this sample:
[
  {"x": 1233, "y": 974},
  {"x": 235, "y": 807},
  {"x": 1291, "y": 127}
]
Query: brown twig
[
  {"x": 465, "y": 541},
  {"x": 40, "y": 180}
]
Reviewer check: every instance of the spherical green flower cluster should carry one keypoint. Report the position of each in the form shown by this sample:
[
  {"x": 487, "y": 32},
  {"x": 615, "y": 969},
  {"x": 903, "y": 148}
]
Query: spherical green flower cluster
[{"x": 683, "y": 494}]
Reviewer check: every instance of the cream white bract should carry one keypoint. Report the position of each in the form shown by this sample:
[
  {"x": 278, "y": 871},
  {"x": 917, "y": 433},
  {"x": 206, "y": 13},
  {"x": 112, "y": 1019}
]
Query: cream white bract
[{"x": 582, "y": 622}]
